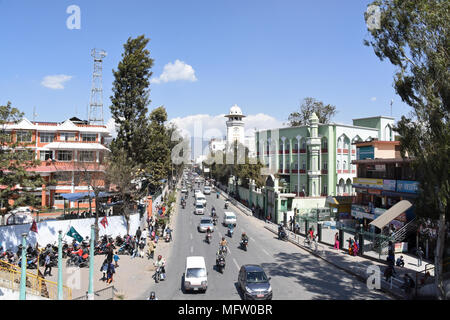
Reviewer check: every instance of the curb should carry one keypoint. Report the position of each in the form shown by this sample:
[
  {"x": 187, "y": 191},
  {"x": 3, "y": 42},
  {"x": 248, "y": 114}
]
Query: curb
[{"x": 361, "y": 278}]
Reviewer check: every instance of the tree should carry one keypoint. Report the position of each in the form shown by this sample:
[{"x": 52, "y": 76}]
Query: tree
[
  {"x": 130, "y": 100},
  {"x": 15, "y": 164},
  {"x": 414, "y": 37},
  {"x": 307, "y": 108}
]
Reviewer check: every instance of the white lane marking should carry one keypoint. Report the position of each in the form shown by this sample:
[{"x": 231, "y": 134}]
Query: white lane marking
[
  {"x": 220, "y": 234},
  {"x": 190, "y": 236},
  {"x": 251, "y": 238},
  {"x": 192, "y": 249},
  {"x": 265, "y": 252},
  {"x": 235, "y": 262}
]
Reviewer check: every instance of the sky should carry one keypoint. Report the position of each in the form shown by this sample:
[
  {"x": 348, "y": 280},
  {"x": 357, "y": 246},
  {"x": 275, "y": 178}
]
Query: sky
[{"x": 265, "y": 56}]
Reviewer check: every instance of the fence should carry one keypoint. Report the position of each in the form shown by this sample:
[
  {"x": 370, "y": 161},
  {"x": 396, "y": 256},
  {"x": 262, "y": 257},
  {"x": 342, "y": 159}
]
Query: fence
[
  {"x": 10, "y": 276},
  {"x": 103, "y": 294}
]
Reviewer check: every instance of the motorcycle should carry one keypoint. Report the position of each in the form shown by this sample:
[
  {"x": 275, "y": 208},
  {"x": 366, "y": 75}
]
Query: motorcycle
[
  {"x": 220, "y": 264},
  {"x": 183, "y": 204},
  {"x": 226, "y": 205},
  {"x": 208, "y": 238},
  {"x": 215, "y": 220},
  {"x": 119, "y": 241},
  {"x": 244, "y": 244},
  {"x": 125, "y": 249},
  {"x": 159, "y": 274},
  {"x": 282, "y": 235},
  {"x": 167, "y": 237},
  {"x": 230, "y": 232},
  {"x": 217, "y": 195}
]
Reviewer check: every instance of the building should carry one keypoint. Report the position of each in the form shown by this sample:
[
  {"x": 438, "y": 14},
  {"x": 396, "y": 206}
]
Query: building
[
  {"x": 310, "y": 162},
  {"x": 383, "y": 179},
  {"x": 216, "y": 145},
  {"x": 235, "y": 126},
  {"x": 71, "y": 154}
]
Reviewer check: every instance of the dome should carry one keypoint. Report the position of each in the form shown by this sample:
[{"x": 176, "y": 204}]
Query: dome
[{"x": 235, "y": 110}]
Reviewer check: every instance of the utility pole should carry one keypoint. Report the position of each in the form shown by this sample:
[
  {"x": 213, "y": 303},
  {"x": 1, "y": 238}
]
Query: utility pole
[
  {"x": 60, "y": 277},
  {"x": 23, "y": 276},
  {"x": 96, "y": 103}
]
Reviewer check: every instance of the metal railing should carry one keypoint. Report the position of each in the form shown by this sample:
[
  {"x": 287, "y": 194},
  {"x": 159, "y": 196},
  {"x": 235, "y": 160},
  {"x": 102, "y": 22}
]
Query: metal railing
[
  {"x": 103, "y": 294},
  {"x": 10, "y": 278}
]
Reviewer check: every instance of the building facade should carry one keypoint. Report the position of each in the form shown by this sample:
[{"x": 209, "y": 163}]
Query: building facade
[{"x": 71, "y": 154}]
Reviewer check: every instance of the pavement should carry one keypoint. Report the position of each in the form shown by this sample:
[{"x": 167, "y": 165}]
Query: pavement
[{"x": 295, "y": 274}]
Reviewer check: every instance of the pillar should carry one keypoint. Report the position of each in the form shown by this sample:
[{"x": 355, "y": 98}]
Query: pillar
[
  {"x": 60, "y": 277},
  {"x": 149, "y": 206},
  {"x": 44, "y": 196},
  {"x": 23, "y": 275},
  {"x": 91, "y": 265}
]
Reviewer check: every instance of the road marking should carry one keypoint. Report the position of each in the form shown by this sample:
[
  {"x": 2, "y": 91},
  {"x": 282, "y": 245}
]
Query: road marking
[
  {"x": 235, "y": 262},
  {"x": 265, "y": 252},
  {"x": 251, "y": 239},
  {"x": 192, "y": 249},
  {"x": 191, "y": 236},
  {"x": 220, "y": 234}
]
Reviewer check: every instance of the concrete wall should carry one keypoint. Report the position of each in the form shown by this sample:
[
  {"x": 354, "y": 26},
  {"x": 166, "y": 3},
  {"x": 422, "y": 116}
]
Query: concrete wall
[
  {"x": 8, "y": 294},
  {"x": 10, "y": 236}
]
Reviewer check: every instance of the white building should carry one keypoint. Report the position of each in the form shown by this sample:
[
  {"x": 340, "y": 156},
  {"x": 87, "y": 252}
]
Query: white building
[
  {"x": 235, "y": 126},
  {"x": 216, "y": 145}
]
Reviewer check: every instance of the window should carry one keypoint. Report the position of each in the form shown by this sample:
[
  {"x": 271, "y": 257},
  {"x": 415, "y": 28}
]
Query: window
[
  {"x": 65, "y": 155},
  {"x": 6, "y": 136},
  {"x": 23, "y": 136},
  {"x": 87, "y": 156},
  {"x": 325, "y": 189},
  {"x": 325, "y": 144},
  {"x": 67, "y": 136},
  {"x": 303, "y": 166},
  {"x": 338, "y": 165},
  {"x": 47, "y": 137},
  {"x": 287, "y": 145},
  {"x": 304, "y": 144},
  {"x": 89, "y": 137},
  {"x": 45, "y": 155},
  {"x": 296, "y": 146},
  {"x": 325, "y": 166},
  {"x": 345, "y": 165}
]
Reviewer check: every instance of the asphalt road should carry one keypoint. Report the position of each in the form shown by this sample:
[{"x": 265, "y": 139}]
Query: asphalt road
[{"x": 295, "y": 274}]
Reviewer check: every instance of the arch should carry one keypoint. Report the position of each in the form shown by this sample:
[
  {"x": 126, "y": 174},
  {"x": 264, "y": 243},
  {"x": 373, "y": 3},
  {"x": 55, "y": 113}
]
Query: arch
[
  {"x": 356, "y": 138},
  {"x": 369, "y": 138},
  {"x": 349, "y": 186},
  {"x": 341, "y": 186},
  {"x": 324, "y": 141},
  {"x": 388, "y": 133}
]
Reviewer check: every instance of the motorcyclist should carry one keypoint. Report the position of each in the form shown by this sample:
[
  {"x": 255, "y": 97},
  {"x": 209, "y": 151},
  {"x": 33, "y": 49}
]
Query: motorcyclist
[
  {"x": 281, "y": 232},
  {"x": 223, "y": 244},
  {"x": 208, "y": 233},
  {"x": 161, "y": 263},
  {"x": 152, "y": 296},
  {"x": 213, "y": 211},
  {"x": 226, "y": 204},
  {"x": 244, "y": 237},
  {"x": 219, "y": 254},
  {"x": 230, "y": 229}
]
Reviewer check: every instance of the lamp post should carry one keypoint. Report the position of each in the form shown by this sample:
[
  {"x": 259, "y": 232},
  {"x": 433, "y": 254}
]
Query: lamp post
[
  {"x": 91, "y": 265},
  {"x": 23, "y": 277},
  {"x": 60, "y": 278}
]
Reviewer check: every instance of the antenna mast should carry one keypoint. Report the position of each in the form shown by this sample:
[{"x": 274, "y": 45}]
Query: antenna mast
[{"x": 96, "y": 103}]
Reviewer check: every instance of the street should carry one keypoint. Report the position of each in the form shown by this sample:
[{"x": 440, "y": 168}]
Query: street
[{"x": 295, "y": 274}]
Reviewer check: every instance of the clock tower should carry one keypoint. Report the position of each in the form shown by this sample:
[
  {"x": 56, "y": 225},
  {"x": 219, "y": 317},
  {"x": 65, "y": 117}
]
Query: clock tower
[{"x": 235, "y": 126}]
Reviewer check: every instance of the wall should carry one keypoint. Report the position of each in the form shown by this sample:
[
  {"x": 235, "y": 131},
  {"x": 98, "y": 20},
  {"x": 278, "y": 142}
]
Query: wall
[
  {"x": 309, "y": 203},
  {"x": 8, "y": 294},
  {"x": 383, "y": 151},
  {"x": 10, "y": 236}
]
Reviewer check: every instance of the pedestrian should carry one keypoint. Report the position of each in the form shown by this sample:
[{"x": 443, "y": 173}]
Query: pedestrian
[
  {"x": 48, "y": 265},
  {"x": 389, "y": 272},
  {"x": 116, "y": 259},
  {"x": 151, "y": 248},
  {"x": 111, "y": 271},
  {"x": 109, "y": 255},
  {"x": 144, "y": 234},
  {"x": 138, "y": 234},
  {"x": 104, "y": 269},
  {"x": 291, "y": 224},
  {"x": 355, "y": 248},
  {"x": 141, "y": 248},
  {"x": 391, "y": 254},
  {"x": 419, "y": 256},
  {"x": 350, "y": 246},
  {"x": 336, "y": 241}
]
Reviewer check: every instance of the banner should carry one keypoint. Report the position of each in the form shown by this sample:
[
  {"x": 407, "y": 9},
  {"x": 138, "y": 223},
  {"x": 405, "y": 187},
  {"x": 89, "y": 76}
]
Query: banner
[
  {"x": 74, "y": 234},
  {"x": 34, "y": 227},
  {"x": 368, "y": 183},
  {"x": 104, "y": 222}
]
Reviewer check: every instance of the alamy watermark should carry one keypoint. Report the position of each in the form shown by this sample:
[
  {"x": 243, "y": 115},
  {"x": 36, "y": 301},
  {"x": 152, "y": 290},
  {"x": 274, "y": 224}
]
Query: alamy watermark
[
  {"x": 374, "y": 279},
  {"x": 373, "y": 20},
  {"x": 74, "y": 20}
]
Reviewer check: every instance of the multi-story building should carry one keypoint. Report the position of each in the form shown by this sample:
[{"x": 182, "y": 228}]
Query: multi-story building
[
  {"x": 71, "y": 154},
  {"x": 313, "y": 161}
]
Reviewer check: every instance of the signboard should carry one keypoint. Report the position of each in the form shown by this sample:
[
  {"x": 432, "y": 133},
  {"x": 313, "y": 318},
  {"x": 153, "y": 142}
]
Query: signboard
[
  {"x": 368, "y": 183},
  {"x": 373, "y": 191},
  {"x": 380, "y": 167},
  {"x": 360, "y": 211},
  {"x": 400, "y": 247},
  {"x": 407, "y": 186},
  {"x": 389, "y": 185},
  {"x": 378, "y": 212},
  {"x": 366, "y": 153}
]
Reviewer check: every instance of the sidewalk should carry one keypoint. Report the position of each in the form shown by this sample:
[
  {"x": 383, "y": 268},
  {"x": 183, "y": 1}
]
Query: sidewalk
[{"x": 355, "y": 265}]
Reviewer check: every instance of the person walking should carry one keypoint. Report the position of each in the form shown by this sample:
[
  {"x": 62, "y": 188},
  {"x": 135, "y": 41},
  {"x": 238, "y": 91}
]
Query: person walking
[
  {"x": 151, "y": 248},
  {"x": 419, "y": 256},
  {"x": 104, "y": 269},
  {"x": 138, "y": 235},
  {"x": 111, "y": 271},
  {"x": 336, "y": 241},
  {"x": 116, "y": 259},
  {"x": 109, "y": 255},
  {"x": 48, "y": 265},
  {"x": 391, "y": 254}
]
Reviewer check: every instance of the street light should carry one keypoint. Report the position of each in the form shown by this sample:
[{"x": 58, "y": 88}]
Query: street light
[{"x": 23, "y": 276}]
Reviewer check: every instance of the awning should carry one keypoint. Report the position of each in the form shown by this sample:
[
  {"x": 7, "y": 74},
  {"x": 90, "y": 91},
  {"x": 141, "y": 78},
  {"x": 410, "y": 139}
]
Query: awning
[
  {"x": 82, "y": 195},
  {"x": 391, "y": 214},
  {"x": 75, "y": 146}
]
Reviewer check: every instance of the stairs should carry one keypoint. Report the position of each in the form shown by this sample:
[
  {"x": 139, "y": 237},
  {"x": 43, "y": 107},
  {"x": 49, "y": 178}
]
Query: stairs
[{"x": 406, "y": 230}]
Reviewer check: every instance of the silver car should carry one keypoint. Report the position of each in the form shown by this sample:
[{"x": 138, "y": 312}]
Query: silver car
[
  {"x": 199, "y": 208},
  {"x": 204, "y": 224}
]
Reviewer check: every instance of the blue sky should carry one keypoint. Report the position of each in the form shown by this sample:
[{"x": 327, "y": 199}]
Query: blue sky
[{"x": 265, "y": 56}]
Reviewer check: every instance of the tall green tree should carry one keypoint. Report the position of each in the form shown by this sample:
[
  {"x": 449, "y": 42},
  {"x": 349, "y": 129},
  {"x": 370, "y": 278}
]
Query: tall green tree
[
  {"x": 130, "y": 100},
  {"x": 17, "y": 182},
  {"x": 415, "y": 37},
  {"x": 308, "y": 106}
]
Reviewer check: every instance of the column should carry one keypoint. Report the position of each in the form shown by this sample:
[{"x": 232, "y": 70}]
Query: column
[
  {"x": 23, "y": 275},
  {"x": 284, "y": 158},
  {"x": 298, "y": 164},
  {"x": 91, "y": 265},
  {"x": 44, "y": 196},
  {"x": 60, "y": 277}
]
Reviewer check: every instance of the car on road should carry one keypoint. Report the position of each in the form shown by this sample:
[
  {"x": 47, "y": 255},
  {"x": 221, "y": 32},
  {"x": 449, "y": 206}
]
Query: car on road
[
  {"x": 207, "y": 190},
  {"x": 195, "y": 275},
  {"x": 200, "y": 197},
  {"x": 199, "y": 208},
  {"x": 184, "y": 190},
  {"x": 204, "y": 224},
  {"x": 253, "y": 283},
  {"x": 229, "y": 218},
  {"x": 197, "y": 191}
]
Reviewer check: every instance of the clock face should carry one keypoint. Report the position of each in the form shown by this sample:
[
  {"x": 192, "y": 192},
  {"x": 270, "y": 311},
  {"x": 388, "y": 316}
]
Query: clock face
[{"x": 236, "y": 129}]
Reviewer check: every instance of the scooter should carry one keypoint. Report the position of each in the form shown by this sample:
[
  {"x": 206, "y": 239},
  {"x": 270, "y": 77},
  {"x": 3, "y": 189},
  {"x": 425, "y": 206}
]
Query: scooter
[
  {"x": 159, "y": 274},
  {"x": 215, "y": 220},
  {"x": 208, "y": 238},
  {"x": 244, "y": 244},
  {"x": 226, "y": 205},
  {"x": 220, "y": 264},
  {"x": 230, "y": 232}
]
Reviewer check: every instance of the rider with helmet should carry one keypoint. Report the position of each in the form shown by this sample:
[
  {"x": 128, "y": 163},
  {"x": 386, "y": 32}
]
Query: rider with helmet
[{"x": 161, "y": 263}]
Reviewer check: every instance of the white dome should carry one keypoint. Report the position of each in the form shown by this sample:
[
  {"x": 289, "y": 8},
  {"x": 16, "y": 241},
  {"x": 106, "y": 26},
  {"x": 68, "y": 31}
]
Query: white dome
[{"x": 235, "y": 110}]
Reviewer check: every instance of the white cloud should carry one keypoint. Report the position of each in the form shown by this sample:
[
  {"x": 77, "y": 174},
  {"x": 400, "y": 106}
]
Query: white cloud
[
  {"x": 176, "y": 71},
  {"x": 373, "y": 99},
  {"x": 207, "y": 126},
  {"x": 55, "y": 82}
]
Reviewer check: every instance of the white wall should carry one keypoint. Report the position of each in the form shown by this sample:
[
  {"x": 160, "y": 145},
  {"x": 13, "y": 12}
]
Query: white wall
[
  {"x": 10, "y": 236},
  {"x": 8, "y": 294}
]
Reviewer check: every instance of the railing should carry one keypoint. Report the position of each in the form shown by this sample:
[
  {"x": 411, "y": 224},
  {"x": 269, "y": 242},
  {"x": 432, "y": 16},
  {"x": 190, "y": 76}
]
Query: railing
[
  {"x": 429, "y": 280},
  {"x": 103, "y": 294},
  {"x": 10, "y": 276},
  {"x": 403, "y": 232}
]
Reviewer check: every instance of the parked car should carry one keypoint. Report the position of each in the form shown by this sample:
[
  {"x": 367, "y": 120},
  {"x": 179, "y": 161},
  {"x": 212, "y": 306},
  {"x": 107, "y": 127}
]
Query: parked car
[
  {"x": 229, "y": 218},
  {"x": 204, "y": 224},
  {"x": 253, "y": 283},
  {"x": 195, "y": 275}
]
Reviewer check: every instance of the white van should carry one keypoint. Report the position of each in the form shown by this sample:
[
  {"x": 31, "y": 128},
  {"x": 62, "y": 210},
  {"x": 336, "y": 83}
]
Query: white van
[
  {"x": 229, "y": 218},
  {"x": 195, "y": 275},
  {"x": 200, "y": 197}
]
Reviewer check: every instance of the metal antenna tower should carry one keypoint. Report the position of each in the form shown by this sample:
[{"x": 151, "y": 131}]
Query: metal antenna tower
[{"x": 96, "y": 103}]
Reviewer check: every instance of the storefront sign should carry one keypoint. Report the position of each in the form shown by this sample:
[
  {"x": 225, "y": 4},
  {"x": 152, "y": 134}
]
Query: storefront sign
[
  {"x": 378, "y": 212},
  {"x": 373, "y": 191},
  {"x": 400, "y": 247},
  {"x": 361, "y": 211},
  {"x": 407, "y": 186},
  {"x": 365, "y": 153},
  {"x": 368, "y": 183},
  {"x": 389, "y": 185}
]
